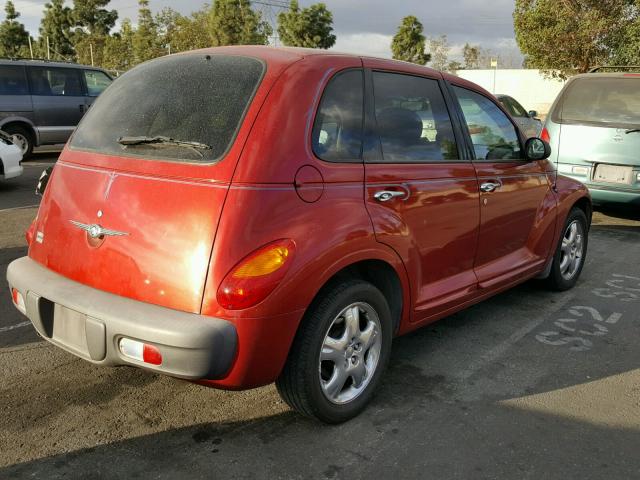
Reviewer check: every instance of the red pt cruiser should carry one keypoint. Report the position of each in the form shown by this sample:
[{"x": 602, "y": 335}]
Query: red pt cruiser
[{"x": 242, "y": 215}]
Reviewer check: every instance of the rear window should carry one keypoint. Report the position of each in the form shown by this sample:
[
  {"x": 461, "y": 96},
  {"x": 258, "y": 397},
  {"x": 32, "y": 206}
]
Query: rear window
[
  {"x": 609, "y": 102},
  {"x": 13, "y": 80},
  {"x": 196, "y": 99}
]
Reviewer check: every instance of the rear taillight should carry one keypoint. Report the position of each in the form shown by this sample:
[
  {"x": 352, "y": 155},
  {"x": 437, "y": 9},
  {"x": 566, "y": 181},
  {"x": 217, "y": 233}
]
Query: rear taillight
[
  {"x": 256, "y": 276},
  {"x": 143, "y": 352},
  {"x": 544, "y": 135},
  {"x": 18, "y": 300}
]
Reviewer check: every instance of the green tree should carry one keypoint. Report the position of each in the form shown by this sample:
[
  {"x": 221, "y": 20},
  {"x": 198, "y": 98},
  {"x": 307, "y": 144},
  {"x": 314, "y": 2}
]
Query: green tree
[
  {"x": 471, "y": 55},
  {"x": 56, "y": 26},
  {"x": 145, "y": 38},
  {"x": 14, "y": 39},
  {"x": 178, "y": 33},
  {"x": 310, "y": 27},
  {"x": 234, "y": 22},
  {"x": 118, "y": 48},
  {"x": 572, "y": 36},
  {"x": 92, "y": 18},
  {"x": 408, "y": 44}
]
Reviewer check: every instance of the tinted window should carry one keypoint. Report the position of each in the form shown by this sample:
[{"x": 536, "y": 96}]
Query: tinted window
[
  {"x": 601, "y": 101},
  {"x": 192, "y": 98},
  {"x": 493, "y": 135},
  {"x": 96, "y": 82},
  {"x": 518, "y": 109},
  {"x": 412, "y": 119},
  {"x": 13, "y": 80},
  {"x": 337, "y": 131},
  {"x": 55, "y": 81}
]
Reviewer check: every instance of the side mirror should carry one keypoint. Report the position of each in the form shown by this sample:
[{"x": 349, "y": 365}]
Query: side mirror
[
  {"x": 533, "y": 113},
  {"x": 536, "y": 149},
  {"x": 43, "y": 181}
]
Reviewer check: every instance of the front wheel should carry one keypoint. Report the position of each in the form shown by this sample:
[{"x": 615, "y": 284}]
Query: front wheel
[
  {"x": 339, "y": 353},
  {"x": 571, "y": 252}
]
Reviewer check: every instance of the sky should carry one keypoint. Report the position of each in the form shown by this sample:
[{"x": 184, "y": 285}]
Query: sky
[{"x": 367, "y": 26}]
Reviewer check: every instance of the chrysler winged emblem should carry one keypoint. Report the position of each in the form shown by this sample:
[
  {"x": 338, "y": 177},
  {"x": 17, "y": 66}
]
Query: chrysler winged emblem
[{"x": 96, "y": 231}]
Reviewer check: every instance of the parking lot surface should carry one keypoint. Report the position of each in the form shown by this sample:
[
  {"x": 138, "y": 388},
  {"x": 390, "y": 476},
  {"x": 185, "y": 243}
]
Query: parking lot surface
[{"x": 529, "y": 384}]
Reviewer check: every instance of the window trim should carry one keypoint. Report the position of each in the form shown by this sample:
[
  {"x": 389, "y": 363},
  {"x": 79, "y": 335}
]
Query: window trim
[
  {"x": 465, "y": 127},
  {"x": 379, "y": 159},
  {"x": 318, "y": 105}
]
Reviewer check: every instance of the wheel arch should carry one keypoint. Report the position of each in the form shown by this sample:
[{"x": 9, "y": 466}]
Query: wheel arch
[{"x": 24, "y": 123}]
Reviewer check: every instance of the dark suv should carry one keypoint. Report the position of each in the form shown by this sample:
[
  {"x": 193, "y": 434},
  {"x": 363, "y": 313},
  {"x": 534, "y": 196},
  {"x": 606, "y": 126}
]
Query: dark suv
[{"x": 41, "y": 102}]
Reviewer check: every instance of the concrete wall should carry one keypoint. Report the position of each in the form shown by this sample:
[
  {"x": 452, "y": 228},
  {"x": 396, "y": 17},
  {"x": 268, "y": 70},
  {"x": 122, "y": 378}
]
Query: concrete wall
[{"x": 528, "y": 87}]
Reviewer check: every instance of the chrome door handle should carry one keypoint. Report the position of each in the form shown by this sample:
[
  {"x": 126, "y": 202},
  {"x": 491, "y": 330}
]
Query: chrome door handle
[
  {"x": 386, "y": 195},
  {"x": 489, "y": 187}
]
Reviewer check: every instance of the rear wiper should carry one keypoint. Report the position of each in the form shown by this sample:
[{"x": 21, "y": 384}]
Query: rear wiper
[
  {"x": 162, "y": 140},
  {"x": 632, "y": 130}
]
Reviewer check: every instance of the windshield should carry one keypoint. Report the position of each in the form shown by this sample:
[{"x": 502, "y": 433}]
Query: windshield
[
  {"x": 609, "y": 102},
  {"x": 196, "y": 98}
]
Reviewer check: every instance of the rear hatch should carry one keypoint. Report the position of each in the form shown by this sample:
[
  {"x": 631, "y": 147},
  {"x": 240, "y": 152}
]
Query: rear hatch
[
  {"x": 133, "y": 203},
  {"x": 599, "y": 118}
]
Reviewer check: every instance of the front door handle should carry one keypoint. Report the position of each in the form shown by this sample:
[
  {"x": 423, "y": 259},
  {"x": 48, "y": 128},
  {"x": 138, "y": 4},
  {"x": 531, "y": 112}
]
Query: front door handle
[
  {"x": 386, "y": 195},
  {"x": 489, "y": 187}
]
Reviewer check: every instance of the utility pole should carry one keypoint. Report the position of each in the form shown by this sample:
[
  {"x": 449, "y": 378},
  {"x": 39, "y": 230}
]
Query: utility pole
[
  {"x": 91, "y": 52},
  {"x": 48, "y": 49},
  {"x": 494, "y": 65},
  {"x": 30, "y": 47}
]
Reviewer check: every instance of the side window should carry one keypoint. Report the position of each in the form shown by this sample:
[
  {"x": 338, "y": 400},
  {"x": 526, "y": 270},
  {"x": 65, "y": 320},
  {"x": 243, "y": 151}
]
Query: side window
[
  {"x": 55, "y": 81},
  {"x": 412, "y": 119},
  {"x": 337, "y": 130},
  {"x": 493, "y": 135},
  {"x": 13, "y": 80},
  {"x": 96, "y": 82},
  {"x": 516, "y": 109}
]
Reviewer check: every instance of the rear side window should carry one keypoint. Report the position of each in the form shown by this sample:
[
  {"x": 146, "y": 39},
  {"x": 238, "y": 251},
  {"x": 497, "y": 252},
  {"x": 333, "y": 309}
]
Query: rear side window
[
  {"x": 13, "y": 80},
  {"x": 96, "y": 82},
  {"x": 493, "y": 135},
  {"x": 412, "y": 119},
  {"x": 608, "y": 102},
  {"x": 195, "y": 99},
  {"x": 337, "y": 130},
  {"x": 50, "y": 81}
]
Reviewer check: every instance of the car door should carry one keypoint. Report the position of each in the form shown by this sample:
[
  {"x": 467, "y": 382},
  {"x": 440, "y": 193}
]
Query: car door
[
  {"x": 516, "y": 230},
  {"x": 422, "y": 196},
  {"x": 58, "y": 101}
]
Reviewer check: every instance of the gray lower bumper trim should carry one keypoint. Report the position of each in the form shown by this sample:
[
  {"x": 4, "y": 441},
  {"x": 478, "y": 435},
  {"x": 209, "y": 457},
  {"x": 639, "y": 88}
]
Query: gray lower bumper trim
[{"x": 89, "y": 323}]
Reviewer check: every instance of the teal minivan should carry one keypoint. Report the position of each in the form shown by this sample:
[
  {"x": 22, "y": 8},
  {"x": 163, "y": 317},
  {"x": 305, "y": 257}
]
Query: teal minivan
[{"x": 594, "y": 132}]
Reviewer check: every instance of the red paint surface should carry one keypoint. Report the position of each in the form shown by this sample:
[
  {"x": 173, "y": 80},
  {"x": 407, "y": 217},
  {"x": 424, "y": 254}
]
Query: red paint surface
[{"x": 189, "y": 225}]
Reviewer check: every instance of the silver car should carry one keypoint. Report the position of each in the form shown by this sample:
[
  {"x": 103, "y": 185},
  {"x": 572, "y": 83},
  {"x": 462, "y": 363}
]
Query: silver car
[
  {"x": 527, "y": 121},
  {"x": 41, "y": 102}
]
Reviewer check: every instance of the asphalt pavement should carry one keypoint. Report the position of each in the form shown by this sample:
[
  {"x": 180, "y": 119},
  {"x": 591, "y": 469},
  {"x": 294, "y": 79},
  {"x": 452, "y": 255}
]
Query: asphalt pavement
[{"x": 527, "y": 385}]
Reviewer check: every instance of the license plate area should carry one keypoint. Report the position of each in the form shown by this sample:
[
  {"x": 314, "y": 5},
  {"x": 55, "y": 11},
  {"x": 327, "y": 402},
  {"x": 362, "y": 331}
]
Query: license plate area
[
  {"x": 618, "y": 174},
  {"x": 69, "y": 329}
]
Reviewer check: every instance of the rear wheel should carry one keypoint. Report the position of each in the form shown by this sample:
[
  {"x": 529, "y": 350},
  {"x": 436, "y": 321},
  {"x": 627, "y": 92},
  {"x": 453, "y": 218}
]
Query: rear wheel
[
  {"x": 22, "y": 138},
  {"x": 339, "y": 353},
  {"x": 571, "y": 252}
]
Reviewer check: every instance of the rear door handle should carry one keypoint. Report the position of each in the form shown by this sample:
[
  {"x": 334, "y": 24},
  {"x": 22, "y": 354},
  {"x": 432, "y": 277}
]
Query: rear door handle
[
  {"x": 489, "y": 187},
  {"x": 387, "y": 195},
  {"x": 81, "y": 106}
]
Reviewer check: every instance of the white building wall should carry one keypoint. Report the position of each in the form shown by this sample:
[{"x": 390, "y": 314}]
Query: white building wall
[{"x": 529, "y": 87}]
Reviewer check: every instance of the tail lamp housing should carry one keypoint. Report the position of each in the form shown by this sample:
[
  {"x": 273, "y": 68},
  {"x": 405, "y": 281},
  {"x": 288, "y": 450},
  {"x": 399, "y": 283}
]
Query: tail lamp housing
[
  {"x": 256, "y": 275},
  {"x": 544, "y": 135}
]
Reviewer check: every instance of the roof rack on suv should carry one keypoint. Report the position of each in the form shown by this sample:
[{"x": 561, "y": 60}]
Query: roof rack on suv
[
  {"x": 25, "y": 59},
  {"x": 615, "y": 68}
]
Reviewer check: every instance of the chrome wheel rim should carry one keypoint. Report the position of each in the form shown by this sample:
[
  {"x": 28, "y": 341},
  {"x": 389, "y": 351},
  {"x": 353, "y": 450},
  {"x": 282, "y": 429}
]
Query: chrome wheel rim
[
  {"x": 572, "y": 250},
  {"x": 350, "y": 353},
  {"x": 20, "y": 141}
]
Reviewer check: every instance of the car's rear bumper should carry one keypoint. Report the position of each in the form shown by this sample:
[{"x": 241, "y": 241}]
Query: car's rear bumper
[
  {"x": 603, "y": 193},
  {"x": 89, "y": 323}
]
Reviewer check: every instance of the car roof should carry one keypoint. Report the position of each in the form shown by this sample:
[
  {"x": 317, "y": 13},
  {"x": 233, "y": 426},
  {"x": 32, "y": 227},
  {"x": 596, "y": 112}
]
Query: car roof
[
  {"x": 44, "y": 63},
  {"x": 607, "y": 75}
]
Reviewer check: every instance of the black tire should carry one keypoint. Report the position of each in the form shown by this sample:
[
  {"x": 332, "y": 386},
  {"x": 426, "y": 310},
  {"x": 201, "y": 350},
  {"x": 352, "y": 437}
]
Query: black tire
[
  {"x": 23, "y": 133},
  {"x": 557, "y": 280},
  {"x": 299, "y": 383}
]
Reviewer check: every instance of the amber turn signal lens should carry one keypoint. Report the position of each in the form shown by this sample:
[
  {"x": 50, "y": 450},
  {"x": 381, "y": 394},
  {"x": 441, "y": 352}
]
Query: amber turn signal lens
[{"x": 256, "y": 276}]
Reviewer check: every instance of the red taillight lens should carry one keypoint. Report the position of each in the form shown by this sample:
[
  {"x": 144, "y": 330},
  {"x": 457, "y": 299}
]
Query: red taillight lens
[
  {"x": 544, "y": 135},
  {"x": 256, "y": 276},
  {"x": 18, "y": 300},
  {"x": 143, "y": 352}
]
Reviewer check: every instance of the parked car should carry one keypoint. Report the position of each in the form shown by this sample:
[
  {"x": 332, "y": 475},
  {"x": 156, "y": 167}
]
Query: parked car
[
  {"x": 225, "y": 234},
  {"x": 527, "y": 121},
  {"x": 594, "y": 129},
  {"x": 41, "y": 102},
  {"x": 10, "y": 158}
]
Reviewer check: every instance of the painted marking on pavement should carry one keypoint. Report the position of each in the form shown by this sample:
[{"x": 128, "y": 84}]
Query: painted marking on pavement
[
  {"x": 19, "y": 208},
  {"x": 13, "y": 327}
]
